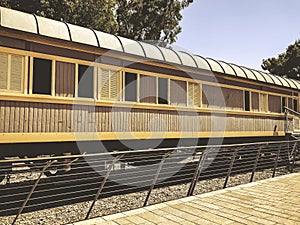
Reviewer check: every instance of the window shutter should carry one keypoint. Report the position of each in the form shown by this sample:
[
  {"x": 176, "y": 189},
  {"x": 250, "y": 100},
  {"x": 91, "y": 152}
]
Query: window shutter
[
  {"x": 114, "y": 84},
  {"x": 190, "y": 93},
  {"x": 3, "y": 70},
  {"x": 16, "y": 73},
  {"x": 104, "y": 84},
  {"x": 196, "y": 95}
]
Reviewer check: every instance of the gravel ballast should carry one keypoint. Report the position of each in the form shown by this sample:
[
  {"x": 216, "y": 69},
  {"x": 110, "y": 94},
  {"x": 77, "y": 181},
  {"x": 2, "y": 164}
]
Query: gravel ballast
[{"x": 76, "y": 212}]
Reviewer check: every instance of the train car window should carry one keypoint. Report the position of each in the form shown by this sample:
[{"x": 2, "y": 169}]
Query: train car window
[
  {"x": 178, "y": 95},
  {"x": 247, "y": 100},
  {"x": 263, "y": 102},
  {"x": 274, "y": 103},
  {"x": 290, "y": 103},
  {"x": 147, "y": 89},
  {"x": 163, "y": 91},
  {"x": 11, "y": 79},
  {"x": 65, "y": 79},
  {"x": 42, "y": 71},
  {"x": 85, "y": 81},
  {"x": 109, "y": 84},
  {"x": 130, "y": 87},
  {"x": 194, "y": 94},
  {"x": 283, "y": 104},
  {"x": 296, "y": 105},
  {"x": 255, "y": 101},
  {"x": 234, "y": 99}
]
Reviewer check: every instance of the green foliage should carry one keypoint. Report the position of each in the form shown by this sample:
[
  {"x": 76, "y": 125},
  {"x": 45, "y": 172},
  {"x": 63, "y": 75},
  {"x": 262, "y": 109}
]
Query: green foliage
[
  {"x": 136, "y": 19},
  {"x": 97, "y": 14},
  {"x": 286, "y": 64},
  {"x": 150, "y": 20}
]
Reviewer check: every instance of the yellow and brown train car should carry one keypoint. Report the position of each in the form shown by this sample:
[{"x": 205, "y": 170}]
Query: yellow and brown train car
[{"x": 62, "y": 84}]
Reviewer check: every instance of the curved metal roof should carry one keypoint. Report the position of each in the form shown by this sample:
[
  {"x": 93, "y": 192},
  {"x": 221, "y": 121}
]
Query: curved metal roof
[
  {"x": 187, "y": 59},
  {"x": 152, "y": 51},
  {"x": 238, "y": 71},
  {"x": 249, "y": 73},
  {"x": 109, "y": 41},
  {"x": 201, "y": 62},
  {"x": 215, "y": 66},
  {"x": 18, "y": 20},
  {"x": 227, "y": 68},
  {"x": 170, "y": 55},
  {"x": 82, "y": 35},
  {"x": 52, "y": 28},
  {"x": 267, "y": 77},
  {"x": 25, "y": 22},
  {"x": 132, "y": 47}
]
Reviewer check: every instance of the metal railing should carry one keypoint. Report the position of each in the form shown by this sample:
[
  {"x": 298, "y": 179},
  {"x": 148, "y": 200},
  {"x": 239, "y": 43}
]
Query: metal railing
[
  {"x": 289, "y": 125},
  {"x": 94, "y": 177}
]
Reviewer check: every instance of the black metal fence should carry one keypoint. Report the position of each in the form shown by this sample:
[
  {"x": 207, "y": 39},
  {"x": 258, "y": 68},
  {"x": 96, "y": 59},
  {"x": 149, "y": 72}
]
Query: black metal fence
[{"x": 48, "y": 182}]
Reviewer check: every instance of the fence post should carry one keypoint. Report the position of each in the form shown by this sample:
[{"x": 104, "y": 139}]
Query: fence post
[
  {"x": 292, "y": 157},
  {"x": 255, "y": 164},
  {"x": 231, "y": 166},
  {"x": 197, "y": 173},
  {"x": 49, "y": 163},
  {"x": 276, "y": 161},
  {"x": 156, "y": 177},
  {"x": 102, "y": 184}
]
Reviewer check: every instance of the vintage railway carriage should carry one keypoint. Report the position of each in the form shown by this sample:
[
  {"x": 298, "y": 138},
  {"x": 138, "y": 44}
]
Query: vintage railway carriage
[{"x": 169, "y": 95}]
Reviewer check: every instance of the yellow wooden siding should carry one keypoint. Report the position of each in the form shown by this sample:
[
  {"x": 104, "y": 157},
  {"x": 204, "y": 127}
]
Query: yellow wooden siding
[{"x": 21, "y": 117}]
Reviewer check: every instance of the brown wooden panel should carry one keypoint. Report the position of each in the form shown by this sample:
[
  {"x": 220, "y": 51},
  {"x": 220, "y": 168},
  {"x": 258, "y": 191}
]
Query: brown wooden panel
[
  {"x": 255, "y": 101},
  {"x": 274, "y": 103},
  {"x": 65, "y": 79},
  {"x": 147, "y": 89},
  {"x": 178, "y": 93}
]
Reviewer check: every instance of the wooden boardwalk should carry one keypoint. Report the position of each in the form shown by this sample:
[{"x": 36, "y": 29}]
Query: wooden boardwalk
[{"x": 271, "y": 201}]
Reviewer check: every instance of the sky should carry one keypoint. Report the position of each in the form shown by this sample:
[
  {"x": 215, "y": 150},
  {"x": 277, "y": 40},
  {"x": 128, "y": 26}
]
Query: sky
[{"x": 239, "y": 31}]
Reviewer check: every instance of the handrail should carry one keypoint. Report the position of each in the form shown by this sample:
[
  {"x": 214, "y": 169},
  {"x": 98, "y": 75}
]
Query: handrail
[{"x": 291, "y": 110}]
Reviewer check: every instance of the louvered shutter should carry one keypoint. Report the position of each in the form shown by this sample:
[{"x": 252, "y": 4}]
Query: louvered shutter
[
  {"x": 114, "y": 85},
  {"x": 3, "y": 71},
  {"x": 104, "y": 83},
  {"x": 16, "y": 73},
  {"x": 196, "y": 94}
]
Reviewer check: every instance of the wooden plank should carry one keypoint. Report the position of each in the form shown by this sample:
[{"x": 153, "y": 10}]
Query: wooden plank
[
  {"x": 2, "y": 116},
  {"x": 22, "y": 117}
]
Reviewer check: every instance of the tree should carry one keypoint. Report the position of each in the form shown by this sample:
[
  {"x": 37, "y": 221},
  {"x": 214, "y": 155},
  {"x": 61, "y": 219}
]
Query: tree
[
  {"x": 150, "y": 20},
  {"x": 286, "y": 64},
  {"x": 97, "y": 14},
  {"x": 136, "y": 19}
]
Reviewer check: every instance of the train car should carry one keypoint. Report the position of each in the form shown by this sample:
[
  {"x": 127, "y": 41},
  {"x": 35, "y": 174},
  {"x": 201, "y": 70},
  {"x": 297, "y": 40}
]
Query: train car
[{"x": 65, "y": 88}]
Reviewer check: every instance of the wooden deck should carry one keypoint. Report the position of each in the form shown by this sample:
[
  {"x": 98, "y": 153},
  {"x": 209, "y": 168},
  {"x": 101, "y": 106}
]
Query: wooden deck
[{"x": 271, "y": 201}]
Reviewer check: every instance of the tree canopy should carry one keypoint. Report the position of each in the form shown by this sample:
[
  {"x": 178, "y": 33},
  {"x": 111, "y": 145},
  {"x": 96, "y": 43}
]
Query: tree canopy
[
  {"x": 136, "y": 19},
  {"x": 285, "y": 64}
]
